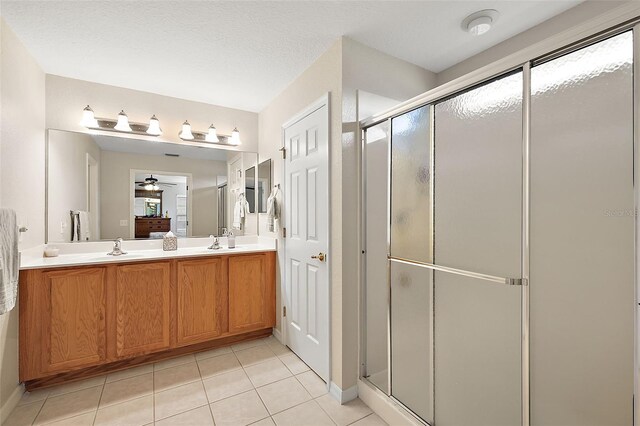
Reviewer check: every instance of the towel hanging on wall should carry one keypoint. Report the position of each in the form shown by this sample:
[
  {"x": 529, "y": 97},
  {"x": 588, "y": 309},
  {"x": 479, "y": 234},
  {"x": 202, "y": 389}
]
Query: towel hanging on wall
[
  {"x": 273, "y": 208},
  {"x": 9, "y": 260}
]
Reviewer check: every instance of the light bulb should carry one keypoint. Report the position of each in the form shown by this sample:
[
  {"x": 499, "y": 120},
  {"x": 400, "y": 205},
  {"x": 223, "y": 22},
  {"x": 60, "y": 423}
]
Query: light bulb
[
  {"x": 123, "y": 122},
  {"x": 154, "y": 126},
  {"x": 186, "y": 131},
  {"x": 148, "y": 187},
  {"x": 88, "y": 118},
  {"x": 212, "y": 135},
  {"x": 235, "y": 136}
]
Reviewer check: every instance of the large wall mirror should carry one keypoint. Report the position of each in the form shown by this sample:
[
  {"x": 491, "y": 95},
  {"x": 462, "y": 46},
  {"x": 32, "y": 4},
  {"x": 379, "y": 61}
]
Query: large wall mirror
[{"x": 103, "y": 187}]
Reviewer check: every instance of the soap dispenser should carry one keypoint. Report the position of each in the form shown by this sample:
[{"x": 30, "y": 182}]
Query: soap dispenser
[{"x": 231, "y": 240}]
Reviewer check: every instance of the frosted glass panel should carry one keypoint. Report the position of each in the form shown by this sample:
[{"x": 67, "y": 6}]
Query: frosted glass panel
[
  {"x": 477, "y": 352},
  {"x": 478, "y": 179},
  {"x": 376, "y": 174},
  {"x": 411, "y": 223},
  {"x": 582, "y": 213},
  {"x": 411, "y": 337}
]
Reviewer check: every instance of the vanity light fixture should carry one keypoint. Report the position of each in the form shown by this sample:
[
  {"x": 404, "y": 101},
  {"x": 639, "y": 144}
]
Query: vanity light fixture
[
  {"x": 480, "y": 22},
  {"x": 88, "y": 118},
  {"x": 186, "y": 134},
  {"x": 210, "y": 136},
  {"x": 235, "y": 136},
  {"x": 154, "y": 126},
  {"x": 123, "y": 122}
]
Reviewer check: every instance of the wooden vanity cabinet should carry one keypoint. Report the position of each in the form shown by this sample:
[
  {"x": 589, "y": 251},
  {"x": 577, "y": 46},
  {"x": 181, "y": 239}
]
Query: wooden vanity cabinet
[
  {"x": 73, "y": 306},
  {"x": 251, "y": 298},
  {"x": 203, "y": 298},
  {"x": 81, "y": 321},
  {"x": 140, "y": 301}
]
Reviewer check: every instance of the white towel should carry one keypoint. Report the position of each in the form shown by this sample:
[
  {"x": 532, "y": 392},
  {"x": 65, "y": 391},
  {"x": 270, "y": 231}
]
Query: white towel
[
  {"x": 85, "y": 229},
  {"x": 9, "y": 260},
  {"x": 240, "y": 211},
  {"x": 273, "y": 210}
]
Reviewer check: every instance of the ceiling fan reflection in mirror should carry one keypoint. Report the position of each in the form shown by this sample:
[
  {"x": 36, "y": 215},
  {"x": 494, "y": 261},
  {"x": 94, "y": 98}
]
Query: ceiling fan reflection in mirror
[{"x": 152, "y": 184}]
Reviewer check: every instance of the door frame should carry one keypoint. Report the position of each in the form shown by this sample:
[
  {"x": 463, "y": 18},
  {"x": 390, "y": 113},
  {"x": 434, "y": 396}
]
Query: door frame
[
  {"x": 324, "y": 100},
  {"x": 132, "y": 196}
]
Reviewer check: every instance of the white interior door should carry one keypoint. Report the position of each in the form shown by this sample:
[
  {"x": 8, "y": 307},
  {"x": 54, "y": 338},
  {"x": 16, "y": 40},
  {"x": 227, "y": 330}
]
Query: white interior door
[{"x": 306, "y": 257}]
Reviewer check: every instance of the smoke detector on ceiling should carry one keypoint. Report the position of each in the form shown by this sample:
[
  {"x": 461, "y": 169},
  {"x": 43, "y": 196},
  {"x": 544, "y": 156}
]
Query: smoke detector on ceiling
[{"x": 480, "y": 22}]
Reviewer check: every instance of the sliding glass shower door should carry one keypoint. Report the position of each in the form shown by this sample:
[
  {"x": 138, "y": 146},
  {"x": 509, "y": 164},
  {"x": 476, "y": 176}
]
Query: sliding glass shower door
[{"x": 478, "y": 234}]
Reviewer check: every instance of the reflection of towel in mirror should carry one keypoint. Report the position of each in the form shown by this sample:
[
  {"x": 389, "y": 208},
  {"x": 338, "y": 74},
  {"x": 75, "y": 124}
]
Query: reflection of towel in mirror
[
  {"x": 9, "y": 264},
  {"x": 273, "y": 210},
  {"x": 240, "y": 211},
  {"x": 80, "y": 226}
]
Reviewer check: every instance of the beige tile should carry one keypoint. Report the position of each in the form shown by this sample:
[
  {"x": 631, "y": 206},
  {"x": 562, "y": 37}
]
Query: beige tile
[
  {"x": 81, "y": 420},
  {"x": 213, "y": 352},
  {"x": 312, "y": 383},
  {"x": 248, "y": 344},
  {"x": 371, "y": 420},
  {"x": 136, "y": 412},
  {"x": 34, "y": 396},
  {"x": 198, "y": 417},
  {"x": 129, "y": 372},
  {"x": 178, "y": 400},
  {"x": 76, "y": 386},
  {"x": 307, "y": 414},
  {"x": 239, "y": 410},
  {"x": 218, "y": 365},
  {"x": 175, "y": 376},
  {"x": 293, "y": 363},
  {"x": 172, "y": 362},
  {"x": 264, "y": 422},
  {"x": 267, "y": 372},
  {"x": 69, "y": 405},
  {"x": 346, "y": 413},
  {"x": 126, "y": 389},
  {"x": 226, "y": 385},
  {"x": 277, "y": 347},
  {"x": 284, "y": 394},
  {"x": 24, "y": 415},
  {"x": 255, "y": 355}
]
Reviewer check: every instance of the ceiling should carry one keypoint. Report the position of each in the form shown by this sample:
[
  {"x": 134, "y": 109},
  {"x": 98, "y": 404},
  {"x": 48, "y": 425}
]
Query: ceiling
[
  {"x": 242, "y": 54},
  {"x": 145, "y": 147}
]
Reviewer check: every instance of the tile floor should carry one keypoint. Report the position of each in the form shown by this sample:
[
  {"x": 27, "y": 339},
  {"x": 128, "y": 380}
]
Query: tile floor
[{"x": 260, "y": 382}]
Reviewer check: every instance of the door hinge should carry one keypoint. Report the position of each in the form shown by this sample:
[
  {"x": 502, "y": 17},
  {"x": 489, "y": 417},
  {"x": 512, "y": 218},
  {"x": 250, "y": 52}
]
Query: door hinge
[
  {"x": 284, "y": 311},
  {"x": 284, "y": 232},
  {"x": 284, "y": 152}
]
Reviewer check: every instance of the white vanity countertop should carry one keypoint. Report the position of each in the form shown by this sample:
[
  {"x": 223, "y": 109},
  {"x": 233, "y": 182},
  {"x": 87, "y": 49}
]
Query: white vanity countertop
[{"x": 79, "y": 254}]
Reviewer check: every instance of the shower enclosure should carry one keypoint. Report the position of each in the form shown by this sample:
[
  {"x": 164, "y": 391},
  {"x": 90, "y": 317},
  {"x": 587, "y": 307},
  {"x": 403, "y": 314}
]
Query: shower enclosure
[{"x": 499, "y": 247}]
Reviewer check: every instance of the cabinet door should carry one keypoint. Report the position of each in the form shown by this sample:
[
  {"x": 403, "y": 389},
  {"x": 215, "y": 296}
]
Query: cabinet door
[
  {"x": 251, "y": 300},
  {"x": 73, "y": 319},
  {"x": 142, "y": 299},
  {"x": 202, "y": 299}
]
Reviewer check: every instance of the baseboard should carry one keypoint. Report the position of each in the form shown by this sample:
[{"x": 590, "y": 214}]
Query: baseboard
[
  {"x": 388, "y": 410},
  {"x": 343, "y": 396},
  {"x": 278, "y": 335},
  {"x": 11, "y": 403}
]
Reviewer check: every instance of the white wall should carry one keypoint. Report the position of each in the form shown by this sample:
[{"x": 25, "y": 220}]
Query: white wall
[
  {"x": 22, "y": 100},
  {"x": 115, "y": 189},
  {"x": 66, "y": 97},
  {"x": 67, "y": 180}
]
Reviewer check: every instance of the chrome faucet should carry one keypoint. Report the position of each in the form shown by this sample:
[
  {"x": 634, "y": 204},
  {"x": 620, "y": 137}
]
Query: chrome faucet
[
  {"x": 215, "y": 243},
  {"x": 117, "y": 248}
]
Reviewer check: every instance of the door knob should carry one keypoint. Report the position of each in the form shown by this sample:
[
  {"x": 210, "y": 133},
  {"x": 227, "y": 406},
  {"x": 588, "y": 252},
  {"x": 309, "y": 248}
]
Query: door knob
[{"x": 320, "y": 257}]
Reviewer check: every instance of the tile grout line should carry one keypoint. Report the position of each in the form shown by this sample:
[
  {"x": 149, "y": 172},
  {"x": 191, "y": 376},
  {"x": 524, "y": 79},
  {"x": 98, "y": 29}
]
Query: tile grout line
[
  {"x": 255, "y": 389},
  {"x": 206, "y": 395},
  {"x": 95, "y": 414}
]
